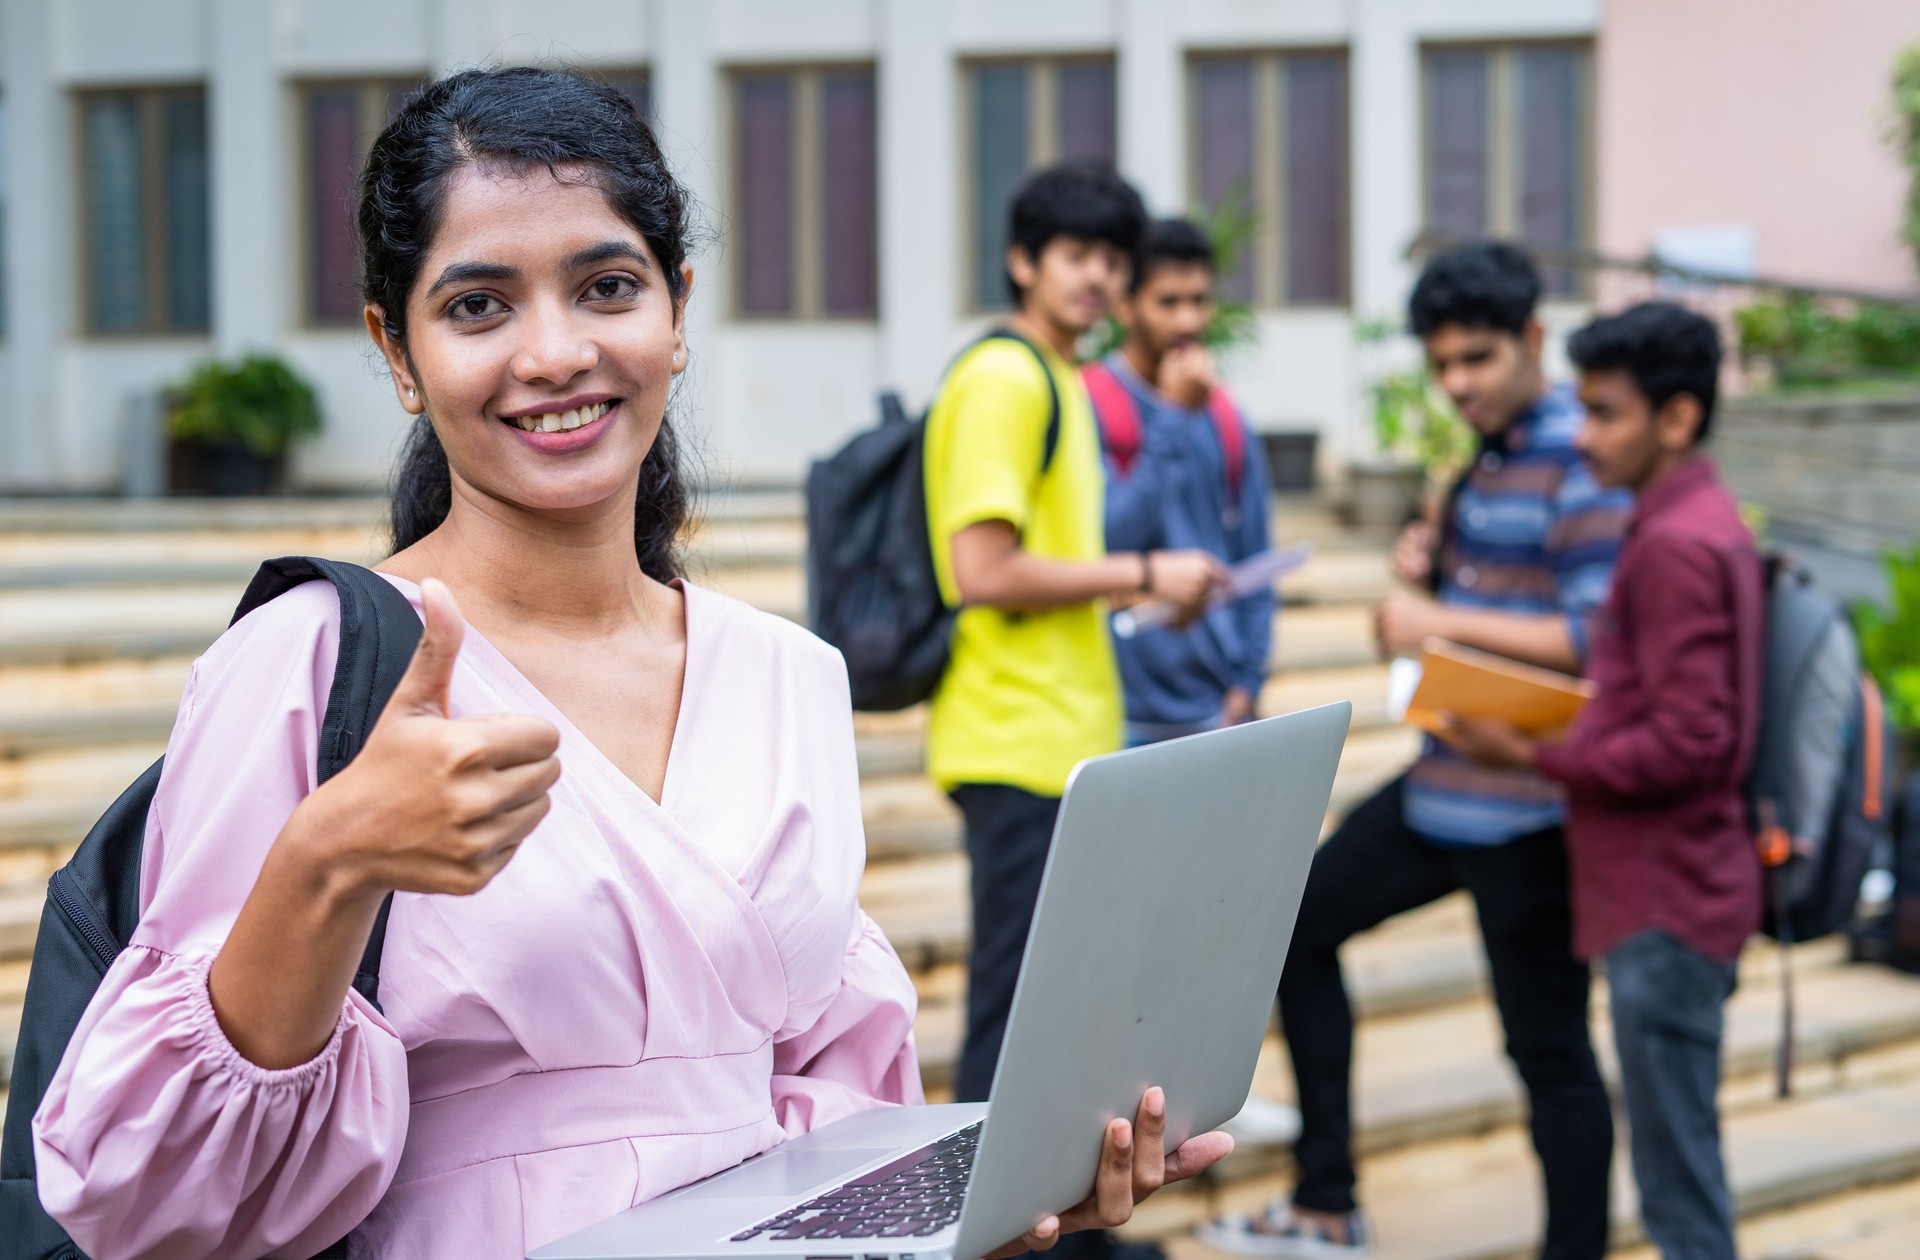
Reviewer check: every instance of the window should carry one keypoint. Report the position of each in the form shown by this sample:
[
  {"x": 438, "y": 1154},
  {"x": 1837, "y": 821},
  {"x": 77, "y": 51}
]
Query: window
[
  {"x": 805, "y": 201},
  {"x": 1022, "y": 115},
  {"x": 1509, "y": 144},
  {"x": 337, "y": 123},
  {"x": 143, "y": 167},
  {"x": 1270, "y": 135}
]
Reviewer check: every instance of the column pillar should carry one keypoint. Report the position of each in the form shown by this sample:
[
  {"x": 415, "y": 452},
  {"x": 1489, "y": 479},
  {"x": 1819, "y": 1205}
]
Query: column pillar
[
  {"x": 1151, "y": 99},
  {"x": 919, "y": 175},
  {"x": 1385, "y": 105},
  {"x": 253, "y": 255},
  {"x": 686, "y": 106},
  {"x": 43, "y": 273}
]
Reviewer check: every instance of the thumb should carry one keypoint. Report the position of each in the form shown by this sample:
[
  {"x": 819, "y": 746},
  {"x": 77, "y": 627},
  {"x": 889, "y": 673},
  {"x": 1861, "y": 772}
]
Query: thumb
[{"x": 423, "y": 688}]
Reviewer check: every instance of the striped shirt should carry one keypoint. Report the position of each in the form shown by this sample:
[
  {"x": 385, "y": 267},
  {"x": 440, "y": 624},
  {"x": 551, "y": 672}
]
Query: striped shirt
[{"x": 1528, "y": 532}]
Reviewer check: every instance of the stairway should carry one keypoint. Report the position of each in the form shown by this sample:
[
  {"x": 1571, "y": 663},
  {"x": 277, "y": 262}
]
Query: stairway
[{"x": 103, "y": 607}]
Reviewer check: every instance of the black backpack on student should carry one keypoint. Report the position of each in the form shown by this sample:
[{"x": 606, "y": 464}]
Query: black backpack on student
[
  {"x": 871, "y": 588},
  {"x": 93, "y": 902}
]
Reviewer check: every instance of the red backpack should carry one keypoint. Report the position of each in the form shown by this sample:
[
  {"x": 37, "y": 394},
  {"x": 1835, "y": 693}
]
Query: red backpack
[{"x": 1118, "y": 412}]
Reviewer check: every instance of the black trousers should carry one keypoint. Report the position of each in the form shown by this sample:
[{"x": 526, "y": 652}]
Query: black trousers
[
  {"x": 1008, "y": 833},
  {"x": 1376, "y": 867}
]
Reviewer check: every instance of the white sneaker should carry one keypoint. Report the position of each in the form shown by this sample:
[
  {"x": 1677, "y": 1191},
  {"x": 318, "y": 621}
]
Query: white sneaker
[
  {"x": 1263, "y": 1122},
  {"x": 1278, "y": 1232}
]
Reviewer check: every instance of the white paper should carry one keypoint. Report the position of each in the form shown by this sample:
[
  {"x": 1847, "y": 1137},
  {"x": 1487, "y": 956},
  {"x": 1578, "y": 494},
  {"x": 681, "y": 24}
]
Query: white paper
[
  {"x": 1403, "y": 679},
  {"x": 1255, "y": 573}
]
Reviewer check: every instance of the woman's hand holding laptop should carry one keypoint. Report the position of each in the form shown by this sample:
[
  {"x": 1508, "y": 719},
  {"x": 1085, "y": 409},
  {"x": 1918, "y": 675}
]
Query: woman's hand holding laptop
[{"x": 1133, "y": 1164}]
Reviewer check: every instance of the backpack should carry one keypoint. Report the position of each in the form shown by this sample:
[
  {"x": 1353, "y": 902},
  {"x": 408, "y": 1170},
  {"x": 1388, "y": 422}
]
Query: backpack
[
  {"x": 1818, "y": 789},
  {"x": 1892, "y": 937},
  {"x": 1118, "y": 412},
  {"x": 93, "y": 902},
  {"x": 871, "y": 586}
]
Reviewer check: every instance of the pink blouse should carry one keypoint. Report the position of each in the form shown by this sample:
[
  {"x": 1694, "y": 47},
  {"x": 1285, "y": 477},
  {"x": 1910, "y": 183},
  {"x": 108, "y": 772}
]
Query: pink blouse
[{"x": 614, "y": 1016}]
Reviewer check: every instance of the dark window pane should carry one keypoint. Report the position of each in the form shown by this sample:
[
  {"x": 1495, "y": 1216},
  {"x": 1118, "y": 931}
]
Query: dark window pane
[
  {"x": 1316, "y": 178},
  {"x": 333, "y": 150},
  {"x": 634, "y": 87},
  {"x": 850, "y": 279},
  {"x": 999, "y": 160},
  {"x": 1086, "y": 110},
  {"x": 1223, "y": 150},
  {"x": 765, "y": 144},
  {"x": 117, "y": 263},
  {"x": 1552, "y": 156},
  {"x": 394, "y": 99},
  {"x": 189, "y": 268},
  {"x": 1457, "y": 142}
]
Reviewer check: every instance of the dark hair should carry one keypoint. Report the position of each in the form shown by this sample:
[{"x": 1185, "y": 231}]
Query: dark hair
[
  {"x": 522, "y": 119},
  {"x": 1087, "y": 200},
  {"x": 1177, "y": 242},
  {"x": 1667, "y": 349},
  {"x": 1488, "y": 284}
]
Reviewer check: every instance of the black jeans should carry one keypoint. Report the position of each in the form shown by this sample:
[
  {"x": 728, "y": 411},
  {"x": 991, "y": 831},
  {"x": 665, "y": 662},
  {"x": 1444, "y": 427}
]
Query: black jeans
[
  {"x": 1376, "y": 867},
  {"x": 1669, "y": 1011},
  {"x": 1009, "y": 831}
]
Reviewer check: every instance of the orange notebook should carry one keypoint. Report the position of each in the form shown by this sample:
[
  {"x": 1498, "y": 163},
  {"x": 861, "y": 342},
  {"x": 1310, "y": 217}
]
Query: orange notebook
[{"x": 1470, "y": 683}]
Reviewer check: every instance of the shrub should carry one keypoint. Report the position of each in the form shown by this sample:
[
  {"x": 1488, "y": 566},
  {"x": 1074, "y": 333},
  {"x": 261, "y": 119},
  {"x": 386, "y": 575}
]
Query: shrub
[
  {"x": 258, "y": 402},
  {"x": 1890, "y": 639}
]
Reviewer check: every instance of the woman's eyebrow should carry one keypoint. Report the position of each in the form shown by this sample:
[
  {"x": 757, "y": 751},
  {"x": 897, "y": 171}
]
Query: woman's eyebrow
[
  {"x": 468, "y": 272},
  {"x": 603, "y": 252}
]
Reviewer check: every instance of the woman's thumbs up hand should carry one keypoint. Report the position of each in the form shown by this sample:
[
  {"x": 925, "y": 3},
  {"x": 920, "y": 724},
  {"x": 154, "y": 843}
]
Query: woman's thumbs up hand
[{"x": 433, "y": 804}]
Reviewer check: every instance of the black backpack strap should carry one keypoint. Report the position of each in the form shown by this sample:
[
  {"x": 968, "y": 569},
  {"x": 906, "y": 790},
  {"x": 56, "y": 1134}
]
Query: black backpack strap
[
  {"x": 378, "y": 632},
  {"x": 1052, "y": 443}
]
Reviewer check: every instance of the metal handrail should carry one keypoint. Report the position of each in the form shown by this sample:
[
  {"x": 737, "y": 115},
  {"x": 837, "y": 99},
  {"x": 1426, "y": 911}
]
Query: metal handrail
[{"x": 1583, "y": 258}]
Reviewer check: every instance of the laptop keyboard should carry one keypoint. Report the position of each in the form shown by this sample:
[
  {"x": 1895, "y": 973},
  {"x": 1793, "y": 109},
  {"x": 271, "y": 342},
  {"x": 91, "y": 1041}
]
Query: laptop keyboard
[{"x": 915, "y": 1196}]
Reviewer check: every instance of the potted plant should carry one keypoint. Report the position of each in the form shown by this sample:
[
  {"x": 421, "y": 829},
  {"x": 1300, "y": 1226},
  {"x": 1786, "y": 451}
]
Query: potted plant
[
  {"x": 230, "y": 424},
  {"x": 1422, "y": 440}
]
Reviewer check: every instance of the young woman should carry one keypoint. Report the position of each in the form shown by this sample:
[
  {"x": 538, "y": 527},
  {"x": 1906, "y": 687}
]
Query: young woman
[{"x": 674, "y": 975}]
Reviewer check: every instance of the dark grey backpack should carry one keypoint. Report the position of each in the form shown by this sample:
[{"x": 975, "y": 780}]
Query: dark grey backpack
[
  {"x": 1820, "y": 784},
  {"x": 93, "y": 902}
]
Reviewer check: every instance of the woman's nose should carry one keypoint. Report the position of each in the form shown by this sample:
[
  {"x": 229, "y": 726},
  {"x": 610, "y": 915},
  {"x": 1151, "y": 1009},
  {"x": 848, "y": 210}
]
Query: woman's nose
[{"x": 553, "y": 347}]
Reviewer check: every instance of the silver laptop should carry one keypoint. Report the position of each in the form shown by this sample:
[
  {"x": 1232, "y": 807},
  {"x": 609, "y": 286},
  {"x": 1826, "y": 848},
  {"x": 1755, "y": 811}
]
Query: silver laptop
[{"x": 1165, "y": 911}]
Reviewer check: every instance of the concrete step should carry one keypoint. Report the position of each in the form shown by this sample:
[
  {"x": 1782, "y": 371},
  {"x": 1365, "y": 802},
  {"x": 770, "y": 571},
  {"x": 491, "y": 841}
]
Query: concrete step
[
  {"x": 1478, "y": 1198},
  {"x": 1877, "y": 1222}
]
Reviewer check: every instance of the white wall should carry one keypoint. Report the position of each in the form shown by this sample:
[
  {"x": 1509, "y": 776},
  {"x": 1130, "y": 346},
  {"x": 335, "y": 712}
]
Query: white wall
[{"x": 765, "y": 395}]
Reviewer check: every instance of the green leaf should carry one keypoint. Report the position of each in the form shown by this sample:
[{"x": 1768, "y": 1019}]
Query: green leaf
[{"x": 258, "y": 402}]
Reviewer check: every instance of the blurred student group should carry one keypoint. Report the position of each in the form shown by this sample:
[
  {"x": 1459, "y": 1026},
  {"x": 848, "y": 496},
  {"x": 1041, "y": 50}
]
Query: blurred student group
[{"x": 1515, "y": 203}]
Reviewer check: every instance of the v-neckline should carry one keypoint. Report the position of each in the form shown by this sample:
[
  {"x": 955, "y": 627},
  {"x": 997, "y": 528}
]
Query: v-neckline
[{"x": 538, "y": 700}]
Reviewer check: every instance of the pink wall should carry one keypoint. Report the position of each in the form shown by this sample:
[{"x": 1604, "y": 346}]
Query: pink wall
[{"x": 1767, "y": 113}]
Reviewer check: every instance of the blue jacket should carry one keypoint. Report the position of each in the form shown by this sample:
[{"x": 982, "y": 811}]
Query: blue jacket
[{"x": 1174, "y": 496}]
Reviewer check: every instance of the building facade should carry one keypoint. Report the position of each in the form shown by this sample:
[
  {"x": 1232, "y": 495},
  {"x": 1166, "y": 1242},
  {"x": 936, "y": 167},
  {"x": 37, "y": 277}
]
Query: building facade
[{"x": 173, "y": 185}]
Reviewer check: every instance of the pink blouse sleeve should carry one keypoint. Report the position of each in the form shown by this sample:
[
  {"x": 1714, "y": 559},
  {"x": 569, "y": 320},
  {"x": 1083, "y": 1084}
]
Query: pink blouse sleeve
[
  {"x": 850, "y": 1047},
  {"x": 859, "y": 1053},
  {"x": 155, "y": 1135}
]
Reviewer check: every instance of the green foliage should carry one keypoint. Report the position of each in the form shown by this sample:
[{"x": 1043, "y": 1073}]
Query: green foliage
[
  {"x": 258, "y": 402},
  {"x": 1890, "y": 639},
  {"x": 1230, "y": 227},
  {"x": 1807, "y": 342},
  {"x": 1906, "y": 137},
  {"x": 1412, "y": 419}
]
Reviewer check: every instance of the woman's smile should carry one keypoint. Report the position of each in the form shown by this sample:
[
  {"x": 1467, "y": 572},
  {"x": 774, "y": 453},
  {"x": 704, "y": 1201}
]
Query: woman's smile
[{"x": 564, "y": 429}]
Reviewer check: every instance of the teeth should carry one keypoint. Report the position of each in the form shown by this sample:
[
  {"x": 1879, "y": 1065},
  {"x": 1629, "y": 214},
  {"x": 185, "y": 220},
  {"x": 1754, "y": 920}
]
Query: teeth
[{"x": 563, "y": 421}]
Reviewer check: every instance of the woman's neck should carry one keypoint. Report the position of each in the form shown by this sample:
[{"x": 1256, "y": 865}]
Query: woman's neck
[{"x": 517, "y": 572}]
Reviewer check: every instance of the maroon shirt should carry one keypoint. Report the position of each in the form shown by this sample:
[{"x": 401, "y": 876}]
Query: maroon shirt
[{"x": 1657, "y": 828}]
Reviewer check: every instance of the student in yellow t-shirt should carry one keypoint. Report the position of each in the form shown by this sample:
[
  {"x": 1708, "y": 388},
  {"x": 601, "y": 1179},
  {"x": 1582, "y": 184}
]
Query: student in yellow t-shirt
[{"x": 1031, "y": 688}]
